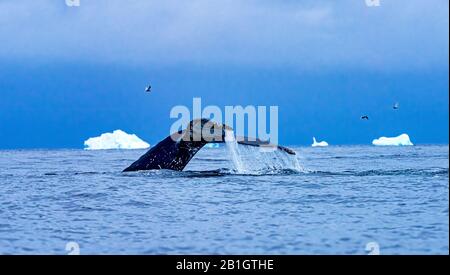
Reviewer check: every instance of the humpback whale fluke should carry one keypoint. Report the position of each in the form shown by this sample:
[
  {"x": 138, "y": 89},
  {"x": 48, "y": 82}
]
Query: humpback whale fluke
[{"x": 175, "y": 151}]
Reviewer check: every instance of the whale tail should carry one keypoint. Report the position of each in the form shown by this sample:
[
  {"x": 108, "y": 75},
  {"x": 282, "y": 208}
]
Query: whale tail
[{"x": 175, "y": 151}]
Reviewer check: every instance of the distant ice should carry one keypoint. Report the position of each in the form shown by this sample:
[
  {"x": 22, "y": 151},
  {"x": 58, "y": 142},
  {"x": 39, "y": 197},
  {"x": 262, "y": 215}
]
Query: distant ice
[
  {"x": 402, "y": 139},
  {"x": 212, "y": 145},
  {"x": 319, "y": 144},
  {"x": 115, "y": 140}
]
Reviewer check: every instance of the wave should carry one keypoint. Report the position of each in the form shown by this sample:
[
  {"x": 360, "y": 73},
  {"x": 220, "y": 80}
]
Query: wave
[
  {"x": 211, "y": 173},
  {"x": 211, "y": 159},
  {"x": 264, "y": 172},
  {"x": 398, "y": 172}
]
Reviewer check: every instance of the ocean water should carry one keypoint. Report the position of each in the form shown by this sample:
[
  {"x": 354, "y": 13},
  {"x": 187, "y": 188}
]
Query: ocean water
[{"x": 337, "y": 200}]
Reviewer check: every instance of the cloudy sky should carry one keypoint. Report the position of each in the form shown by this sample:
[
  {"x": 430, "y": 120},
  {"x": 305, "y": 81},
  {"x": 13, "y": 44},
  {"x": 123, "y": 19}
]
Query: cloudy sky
[{"x": 68, "y": 73}]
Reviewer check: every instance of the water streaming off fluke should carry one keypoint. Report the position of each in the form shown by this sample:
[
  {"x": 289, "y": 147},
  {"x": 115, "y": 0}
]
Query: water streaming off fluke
[{"x": 258, "y": 160}]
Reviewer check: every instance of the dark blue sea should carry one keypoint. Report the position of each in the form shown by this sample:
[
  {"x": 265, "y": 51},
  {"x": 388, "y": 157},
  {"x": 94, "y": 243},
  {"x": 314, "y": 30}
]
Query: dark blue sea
[{"x": 339, "y": 200}]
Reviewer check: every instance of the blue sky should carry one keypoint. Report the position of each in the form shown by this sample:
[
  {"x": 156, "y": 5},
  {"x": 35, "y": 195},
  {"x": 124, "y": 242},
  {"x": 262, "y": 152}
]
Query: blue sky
[{"x": 67, "y": 74}]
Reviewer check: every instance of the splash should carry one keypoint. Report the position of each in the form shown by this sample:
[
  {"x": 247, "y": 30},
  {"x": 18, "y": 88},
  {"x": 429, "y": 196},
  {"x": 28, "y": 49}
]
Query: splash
[
  {"x": 256, "y": 160},
  {"x": 233, "y": 149}
]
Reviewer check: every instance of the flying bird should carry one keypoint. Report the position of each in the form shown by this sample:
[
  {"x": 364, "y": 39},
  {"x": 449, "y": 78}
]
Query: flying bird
[
  {"x": 365, "y": 117},
  {"x": 396, "y": 106},
  {"x": 148, "y": 89}
]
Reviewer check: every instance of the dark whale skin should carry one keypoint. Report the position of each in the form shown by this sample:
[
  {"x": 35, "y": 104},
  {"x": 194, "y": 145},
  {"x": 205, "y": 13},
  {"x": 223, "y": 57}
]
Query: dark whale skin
[{"x": 167, "y": 154}]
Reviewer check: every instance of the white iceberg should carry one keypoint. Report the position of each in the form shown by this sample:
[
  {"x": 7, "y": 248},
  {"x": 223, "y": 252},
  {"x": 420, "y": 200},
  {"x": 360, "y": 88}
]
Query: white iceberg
[
  {"x": 319, "y": 144},
  {"x": 401, "y": 140},
  {"x": 212, "y": 145},
  {"x": 115, "y": 140}
]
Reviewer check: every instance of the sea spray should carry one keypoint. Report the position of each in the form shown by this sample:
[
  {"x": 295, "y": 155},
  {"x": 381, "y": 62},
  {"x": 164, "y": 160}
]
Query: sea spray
[
  {"x": 257, "y": 160},
  {"x": 232, "y": 147}
]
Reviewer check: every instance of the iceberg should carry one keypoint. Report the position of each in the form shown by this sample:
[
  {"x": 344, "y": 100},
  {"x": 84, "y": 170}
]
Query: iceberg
[
  {"x": 319, "y": 144},
  {"x": 115, "y": 140},
  {"x": 401, "y": 140},
  {"x": 212, "y": 145}
]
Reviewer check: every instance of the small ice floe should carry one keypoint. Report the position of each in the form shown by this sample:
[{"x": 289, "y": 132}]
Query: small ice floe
[
  {"x": 212, "y": 145},
  {"x": 319, "y": 144},
  {"x": 401, "y": 140},
  {"x": 115, "y": 140}
]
